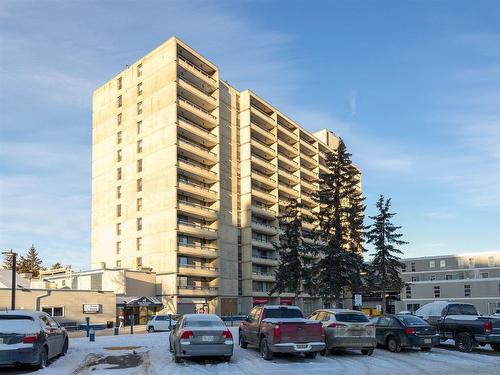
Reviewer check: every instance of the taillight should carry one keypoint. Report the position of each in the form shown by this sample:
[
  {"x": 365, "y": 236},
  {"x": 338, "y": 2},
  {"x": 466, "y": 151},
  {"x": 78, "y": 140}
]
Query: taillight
[
  {"x": 488, "y": 326},
  {"x": 410, "y": 331},
  {"x": 336, "y": 325},
  {"x": 277, "y": 333},
  {"x": 321, "y": 330},
  {"x": 29, "y": 339},
  {"x": 227, "y": 335},
  {"x": 186, "y": 335}
]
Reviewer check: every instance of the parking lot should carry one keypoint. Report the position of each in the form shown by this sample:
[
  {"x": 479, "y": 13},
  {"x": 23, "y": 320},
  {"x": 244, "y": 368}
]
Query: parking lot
[{"x": 148, "y": 354}]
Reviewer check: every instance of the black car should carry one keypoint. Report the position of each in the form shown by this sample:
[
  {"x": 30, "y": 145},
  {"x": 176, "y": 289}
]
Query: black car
[
  {"x": 404, "y": 331},
  {"x": 30, "y": 337}
]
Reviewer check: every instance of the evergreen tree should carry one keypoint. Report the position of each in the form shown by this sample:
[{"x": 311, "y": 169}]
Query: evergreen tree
[
  {"x": 31, "y": 263},
  {"x": 56, "y": 265},
  {"x": 290, "y": 270},
  {"x": 7, "y": 262},
  {"x": 340, "y": 230},
  {"x": 384, "y": 271}
]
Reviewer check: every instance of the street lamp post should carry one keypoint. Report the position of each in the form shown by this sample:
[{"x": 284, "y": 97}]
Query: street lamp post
[{"x": 13, "y": 256}]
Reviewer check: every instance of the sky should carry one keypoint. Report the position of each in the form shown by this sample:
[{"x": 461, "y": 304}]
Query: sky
[{"x": 413, "y": 88}]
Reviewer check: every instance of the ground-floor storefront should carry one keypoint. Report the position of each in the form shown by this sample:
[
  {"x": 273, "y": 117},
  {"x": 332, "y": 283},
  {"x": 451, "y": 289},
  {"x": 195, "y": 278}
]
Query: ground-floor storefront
[{"x": 137, "y": 309}]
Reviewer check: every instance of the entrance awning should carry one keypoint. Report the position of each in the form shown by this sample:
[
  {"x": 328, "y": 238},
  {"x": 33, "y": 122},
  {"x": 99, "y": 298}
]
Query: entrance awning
[{"x": 138, "y": 301}]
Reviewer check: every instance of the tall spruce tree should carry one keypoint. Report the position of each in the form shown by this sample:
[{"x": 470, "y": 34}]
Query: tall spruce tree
[
  {"x": 340, "y": 231},
  {"x": 31, "y": 263},
  {"x": 384, "y": 275},
  {"x": 290, "y": 272},
  {"x": 7, "y": 262}
]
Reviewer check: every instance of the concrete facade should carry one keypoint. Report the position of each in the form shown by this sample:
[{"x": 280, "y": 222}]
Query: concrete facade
[
  {"x": 188, "y": 176},
  {"x": 469, "y": 278}
]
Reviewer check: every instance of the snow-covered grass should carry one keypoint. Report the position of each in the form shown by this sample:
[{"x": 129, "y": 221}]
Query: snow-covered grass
[{"x": 158, "y": 360}]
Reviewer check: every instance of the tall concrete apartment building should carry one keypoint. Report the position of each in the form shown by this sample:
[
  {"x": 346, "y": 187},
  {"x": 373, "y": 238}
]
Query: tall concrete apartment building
[{"x": 188, "y": 176}]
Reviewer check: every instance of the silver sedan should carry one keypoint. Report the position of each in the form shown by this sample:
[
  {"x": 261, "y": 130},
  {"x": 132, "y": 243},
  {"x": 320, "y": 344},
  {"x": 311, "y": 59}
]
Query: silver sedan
[{"x": 200, "y": 335}]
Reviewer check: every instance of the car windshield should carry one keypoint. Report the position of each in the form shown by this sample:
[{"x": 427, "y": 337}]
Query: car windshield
[
  {"x": 410, "y": 320},
  {"x": 282, "y": 313},
  {"x": 468, "y": 310},
  {"x": 202, "y": 323},
  {"x": 17, "y": 324},
  {"x": 351, "y": 318}
]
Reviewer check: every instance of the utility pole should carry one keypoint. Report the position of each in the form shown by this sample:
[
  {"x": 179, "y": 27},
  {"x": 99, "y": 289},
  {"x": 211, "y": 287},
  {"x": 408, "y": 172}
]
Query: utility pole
[{"x": 13, "y": 256}]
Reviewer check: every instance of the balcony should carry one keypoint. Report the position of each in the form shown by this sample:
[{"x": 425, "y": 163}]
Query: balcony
[
  {"x": 288, "y": 191},
  {"x": 307, "y": 200},
  {"x": 288, "y": 164},
  {"x": 197, "y": 210},
  {"x": 286, "y": 135},
  {"x": 287, "y": 177},
  {"x": 263, "y": 165},
  {"x": 265, "y": 136},
  {"x": 197, "y": 230},
  {"x": 306, "y": 212},
  {"x": 308, "y": 175},
  {"x": 197, "y": 72},
  {"x": 197, "y": 133},
  {"x": 262, "y": 244},
  {"x": 262, "y": 149},
  {"x": 196, "y": 152},
  {"x": 263, "y": 276},
  {"x": 307, "y": 148},
  {"x": 323, "y": 169},
  {"x": 263, "y": 117},
  {"x": 197, "y": 191},
  {"x": 263, "y": 195},
  {"x": 264, "y": 228},
  {"x": 288, "y": 150},
  {"x": 265, "y": 260},
  {"x": 196, "y": 95},
  {"x": 197, "y": 171},
  {"x": 308, "y": 225},
  {"x": 199, "y": 251},
  {"x": 310, "y": 187},
  {"x": 194, "y": 112},
  {"x": 264, "y": 212},
  {"x": 197, "y": 291},
  {"x": 308, "y": 162},
  {"x": 263, "y": 179},
  {"x": 197, "y": 270}
]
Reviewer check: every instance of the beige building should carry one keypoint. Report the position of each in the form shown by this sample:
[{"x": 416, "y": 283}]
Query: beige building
[{"x": 188, "y": 175}]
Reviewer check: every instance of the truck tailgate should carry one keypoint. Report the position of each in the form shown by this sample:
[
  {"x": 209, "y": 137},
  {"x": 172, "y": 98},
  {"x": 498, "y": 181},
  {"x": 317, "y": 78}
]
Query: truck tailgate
[{"x": 302, "y": 332}]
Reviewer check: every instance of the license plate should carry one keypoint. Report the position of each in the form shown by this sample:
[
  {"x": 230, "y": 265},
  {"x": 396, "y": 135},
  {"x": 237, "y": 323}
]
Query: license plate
[
  {"x": 427, "y": 341},
  {"x": 207, "y": 338},
  {"x": 301, "y": 346},
  {"x": 356, "y": 333}
]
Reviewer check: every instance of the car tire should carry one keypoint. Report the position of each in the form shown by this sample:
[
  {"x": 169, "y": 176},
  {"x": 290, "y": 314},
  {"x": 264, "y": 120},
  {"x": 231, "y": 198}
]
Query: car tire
[
  {"x": 311, "y": 355},
  {"x": 426, "y": 349},
  {"x": 227, "y": 358},
  {"x": 464, "y": 342},
  {"x": 151, "y": 329},
  {"x": 265, "y": 351},
  {"x": 367, "y": 352},
  {"x": 243, "y": 343},
  {"x": 495, "y": 347},
  {"x": 43, "y": 359},
  {"x": 64, "y": 349},
  {"x": 393, "y": 344}
]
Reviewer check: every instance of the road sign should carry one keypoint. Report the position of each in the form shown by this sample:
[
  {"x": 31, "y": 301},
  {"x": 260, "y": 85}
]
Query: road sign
[{"x": 358, "y": 300}]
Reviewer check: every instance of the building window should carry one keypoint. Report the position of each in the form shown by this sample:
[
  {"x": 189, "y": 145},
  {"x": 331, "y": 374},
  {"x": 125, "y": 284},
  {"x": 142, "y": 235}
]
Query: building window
[
  {"x": 432, "y": 278},
  {"x": 472, "y": 262},
  {"x": 437, "y": 291},
  {"x": 118, "y": 210},
  {"x": 138, "y": 243},
  {"x": 491, "y": 261},
  {"x": 139, "y": 165},
  {"x": 139, "y": 204},
  {"x": 412, "y": 266},
  {"x": 118, "y": 229},
  {"x": 139, "y": 223},
  {"x": 449, "y": 277},
  {"x": 442, "y": 263},
  {"x": 139, "y": 127},
  {"x": 118, "y": 247},
  {"x": 119, "y": 101},
  {"x": 139, "y": 70},
  {"x": 54, "y": 311},
  {"x": 466, "y": 290},
  {"x": 119, "y": 173},
  {"x": 138, "y": 262},
  {"x": 118, "y": 192},
  {"x": 119, "y": 119},
  {"x": 432, "y": 264},
  {"x": 119, "y": 137},
  {"x": 119, "y": 83},
  {"x": 414, "y": 279},
  {"x": 139, "y": 108},
  {"x": 118, "y": 263},
  {"x": 139, "y": 184},
  {"x": 119, "y": 155},
  {"x": 183, "y": 239},
  {"x": 403, "y": 267},
  {"x": 408, "y": 291},
  {"x": 484, "y": 275},
  {"x": 460, "y": 262},
  {"x": 139, "y": 89},
  {"x": 139, "y": 146}
]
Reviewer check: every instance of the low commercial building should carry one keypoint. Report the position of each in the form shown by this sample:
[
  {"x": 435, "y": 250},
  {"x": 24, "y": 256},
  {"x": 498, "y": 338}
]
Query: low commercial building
[{"x": 470, "y": 278}]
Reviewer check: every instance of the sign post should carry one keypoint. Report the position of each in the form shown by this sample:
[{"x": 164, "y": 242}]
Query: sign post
[{"x": 358, "y": 300}]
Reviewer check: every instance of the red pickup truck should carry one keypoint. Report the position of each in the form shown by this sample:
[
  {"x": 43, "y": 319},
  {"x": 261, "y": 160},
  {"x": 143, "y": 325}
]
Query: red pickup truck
[{"x": 281, "y": 329}]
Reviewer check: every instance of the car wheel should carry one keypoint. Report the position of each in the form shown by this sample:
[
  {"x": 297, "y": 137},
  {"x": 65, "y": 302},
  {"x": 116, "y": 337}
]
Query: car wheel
[
  {"x": 227, "y": 358},
  {"x": 393, "y": 344},
  {"x": 311, "y": 355},
  {"x": 243, "y": 343},
  {"x": 265, "y": 352},
  {"x": 426, "y": 349},
  {"x": 151, "y": 329},
  {"x": 495, "y": 347},
  {"x": 43, "y": 359},
  {"x": 65, "y": 347},
  {"x": 463, "y": 342},
  {"x": 367, "y": 352}
]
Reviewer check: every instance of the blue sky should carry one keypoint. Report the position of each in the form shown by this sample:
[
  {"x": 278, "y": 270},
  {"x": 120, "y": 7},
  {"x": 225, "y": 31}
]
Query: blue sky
[{"x": 412, "y": 87}]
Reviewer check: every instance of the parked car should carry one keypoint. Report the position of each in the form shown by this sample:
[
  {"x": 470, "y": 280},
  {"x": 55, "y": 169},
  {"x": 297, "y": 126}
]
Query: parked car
[
  {"x": 200, "y": 335},
  {"x": 281, "y": 329},
  {"x": 158, "y": 323},
  {"x": 30, "y": 337},
  {"x": 462, "y": 323},
  {"x": 405, "y": 331},
  {"x": 497, "y": 312},
  {"x": 346, "y": 329}
]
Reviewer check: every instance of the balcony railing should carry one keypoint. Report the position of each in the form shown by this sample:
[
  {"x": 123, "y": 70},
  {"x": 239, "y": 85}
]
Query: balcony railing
[
  {"x": 263, "y": 175},
  {"x": 196, "y": 267},
  {"x": 188, "y": 102},
  {"x": 197, "y": 145},
  {"x": 197, "y": 186},
  {"x": 197, "y": 287},
  {"x": 266, "y": 257},
  {"x": 209, "y": 97},
  {"x": 263, "y": 208},
  {"x": 200, "y": 206},
  {"x": 261, "y": 111},
  {"x": 190, "y": 64},
  {"x": 196, "y": 225},
  {"x": 262, "y": 143},
  {"x": 272, "y": 227},
  {"x": 258, "y": 273},
  {"x": 193, "y": 164},
  {"x": 182, "y": 118}
]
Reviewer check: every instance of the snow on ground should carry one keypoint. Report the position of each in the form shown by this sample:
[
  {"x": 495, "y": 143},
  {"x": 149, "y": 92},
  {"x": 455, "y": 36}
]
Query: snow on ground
[{"x": 84, "y": 357}]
